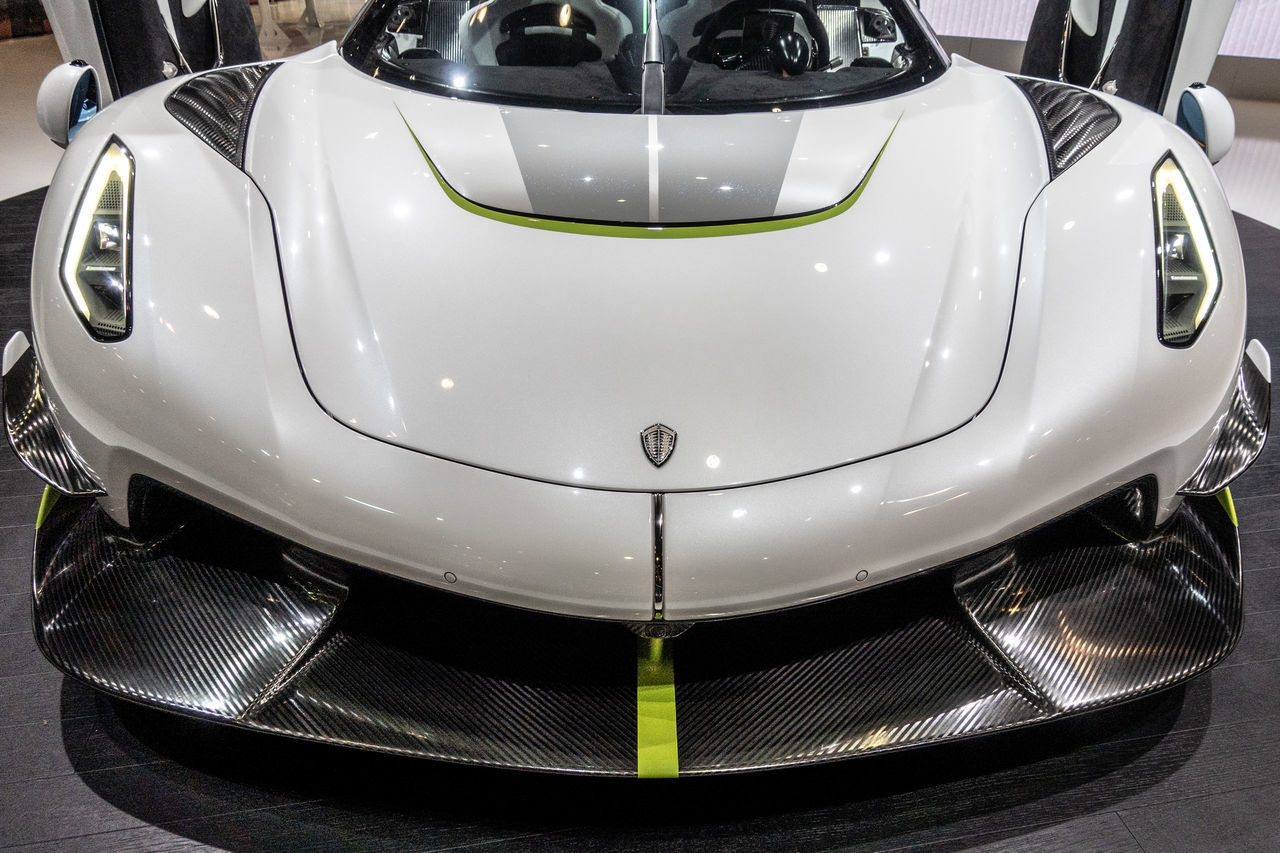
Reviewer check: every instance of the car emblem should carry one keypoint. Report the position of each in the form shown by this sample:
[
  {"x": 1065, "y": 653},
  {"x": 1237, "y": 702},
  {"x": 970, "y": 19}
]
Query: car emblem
[{"x": 658, "y": 441}]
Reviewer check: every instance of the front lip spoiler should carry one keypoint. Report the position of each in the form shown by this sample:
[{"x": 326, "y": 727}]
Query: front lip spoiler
[
  {"x": 32, "y": 426},
  {"x": 213, "y": 619}
]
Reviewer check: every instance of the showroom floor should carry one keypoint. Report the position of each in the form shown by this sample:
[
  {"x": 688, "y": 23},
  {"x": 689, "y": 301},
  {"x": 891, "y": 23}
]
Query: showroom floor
[{"x": 1197, "y": 768}]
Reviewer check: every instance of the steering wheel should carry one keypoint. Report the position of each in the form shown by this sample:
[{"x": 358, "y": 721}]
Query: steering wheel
[{"x": 732, "y": 16}]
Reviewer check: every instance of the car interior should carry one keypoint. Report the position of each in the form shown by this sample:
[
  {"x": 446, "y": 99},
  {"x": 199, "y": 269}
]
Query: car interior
[{"x": 786, "y": 47}]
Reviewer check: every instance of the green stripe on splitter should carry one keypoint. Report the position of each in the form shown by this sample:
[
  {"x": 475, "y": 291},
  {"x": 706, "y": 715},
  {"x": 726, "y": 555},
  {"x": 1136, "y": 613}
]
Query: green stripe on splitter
[
  {"x": 656, "y": 752},
  {"x": 1224, "y": 498},
  {"x": 652, "y": 232},
  {"x": 47, "y": 501}
]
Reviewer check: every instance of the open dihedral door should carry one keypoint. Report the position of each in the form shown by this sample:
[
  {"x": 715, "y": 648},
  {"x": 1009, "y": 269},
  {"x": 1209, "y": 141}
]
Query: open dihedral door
[
  {"x": 134, "y": 43},
  {"x": 1146, "y": 51}
]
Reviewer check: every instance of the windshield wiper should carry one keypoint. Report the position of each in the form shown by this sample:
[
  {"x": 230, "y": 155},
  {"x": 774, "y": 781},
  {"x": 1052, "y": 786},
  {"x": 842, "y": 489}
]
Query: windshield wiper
[{"x": 653, "y": 85}]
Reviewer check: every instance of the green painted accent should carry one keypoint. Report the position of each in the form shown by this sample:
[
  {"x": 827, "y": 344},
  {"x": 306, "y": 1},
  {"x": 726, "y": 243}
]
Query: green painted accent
[
  {"x": 651, "y": 232},
  {"x": 1224, "y": 498},
  {"x": 657, "y": 756},
  {"x": 47, "y": 502}
]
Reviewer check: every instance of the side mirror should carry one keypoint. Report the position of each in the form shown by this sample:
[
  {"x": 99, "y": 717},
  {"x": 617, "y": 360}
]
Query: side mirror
[
  {"x": 67, "y": 99},
  {"x": 1085, "y": 14},
  {"x": 1206, "y": 115}
]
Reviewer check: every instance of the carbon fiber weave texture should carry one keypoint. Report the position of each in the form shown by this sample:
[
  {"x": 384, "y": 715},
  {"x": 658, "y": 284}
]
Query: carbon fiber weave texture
[
  {"x": 149, "y": 624},
  {"x": 363, "y": 692},
  {"x": 1053, "y": 629},
  {"x": 1243, "y": 433},
  {"x": 919, "y": 681},
  {"x": 34, "y": 434},
  {"x": 216, "y": 106},
  {"x": 1112, "y": 618},
  {"x": 1072, "y": 120}
]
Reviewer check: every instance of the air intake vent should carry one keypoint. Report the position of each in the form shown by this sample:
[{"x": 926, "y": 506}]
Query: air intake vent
[
  {"x": 1073, "y": 120},
  {"x": 216, "y": 106}
]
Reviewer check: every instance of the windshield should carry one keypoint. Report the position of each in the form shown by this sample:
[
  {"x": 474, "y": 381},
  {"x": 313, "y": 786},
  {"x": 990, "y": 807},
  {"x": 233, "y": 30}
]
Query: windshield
[{"x": 711, "y": 55}]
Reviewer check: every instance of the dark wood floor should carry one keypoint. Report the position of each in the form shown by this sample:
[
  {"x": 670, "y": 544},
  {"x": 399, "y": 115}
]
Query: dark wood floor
[{"x": 1197, "y": 768}]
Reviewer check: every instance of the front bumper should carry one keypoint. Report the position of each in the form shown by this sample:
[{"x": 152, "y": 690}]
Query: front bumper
[
  {"x": 195, "y": 611},
  {"x": 209, "y": 617}
]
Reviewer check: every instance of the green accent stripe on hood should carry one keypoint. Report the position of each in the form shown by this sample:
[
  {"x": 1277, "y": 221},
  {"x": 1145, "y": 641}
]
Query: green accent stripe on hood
[
  {"x": 657, "y": 755},
  {"x": 652, "y": 232},
  {"x": 47, "y": 502}
]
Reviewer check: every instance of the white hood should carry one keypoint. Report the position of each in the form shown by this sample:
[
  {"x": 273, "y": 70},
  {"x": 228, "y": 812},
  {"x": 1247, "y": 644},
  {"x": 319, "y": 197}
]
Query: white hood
[{"x": 424, "y": 318}]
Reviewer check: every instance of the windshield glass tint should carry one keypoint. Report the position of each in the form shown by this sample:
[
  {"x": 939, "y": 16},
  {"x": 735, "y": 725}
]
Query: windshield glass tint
[{"x": 716, "y": 55}]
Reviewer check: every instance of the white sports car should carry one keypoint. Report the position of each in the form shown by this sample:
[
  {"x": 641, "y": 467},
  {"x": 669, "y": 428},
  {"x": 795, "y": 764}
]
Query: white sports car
[{"x": 621, "y": 389}]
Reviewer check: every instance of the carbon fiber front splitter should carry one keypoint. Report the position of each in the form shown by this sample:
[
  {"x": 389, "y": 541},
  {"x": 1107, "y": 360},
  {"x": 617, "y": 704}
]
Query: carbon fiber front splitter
[{"x": 202, "y": 615}]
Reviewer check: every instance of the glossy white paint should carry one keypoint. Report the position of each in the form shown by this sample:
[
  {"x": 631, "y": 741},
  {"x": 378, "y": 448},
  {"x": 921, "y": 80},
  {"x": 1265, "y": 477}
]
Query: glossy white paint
[
  {"x": 207, "y": 396},
  {"x": 1260, "y": 357},
  {"x": 889, "y": 321},
  {"x": 15, "y": 349},
  {"x": 1089, "y": 400}
]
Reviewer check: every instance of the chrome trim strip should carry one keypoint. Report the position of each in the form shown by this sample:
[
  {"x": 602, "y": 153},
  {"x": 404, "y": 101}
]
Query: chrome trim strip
[
  {"x": 220, "y": 56},
  {"x": 659, "y": 556}
]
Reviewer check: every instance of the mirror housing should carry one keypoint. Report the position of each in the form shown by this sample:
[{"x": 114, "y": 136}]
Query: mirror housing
[
  {"x": 67, "y": 99},
  {"x": 1085, "y": 14},
  {"x": 1206, "y": 115}
]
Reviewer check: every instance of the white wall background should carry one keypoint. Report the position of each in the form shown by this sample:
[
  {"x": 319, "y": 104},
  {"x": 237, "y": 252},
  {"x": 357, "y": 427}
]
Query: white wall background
[
  {"x": 1254, "y": 29},
  {"x": 993, "y": 19}
]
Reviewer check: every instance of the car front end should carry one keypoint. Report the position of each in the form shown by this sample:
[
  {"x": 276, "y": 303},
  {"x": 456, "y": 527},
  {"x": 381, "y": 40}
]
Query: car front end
[{"x": 860, "y": 425}]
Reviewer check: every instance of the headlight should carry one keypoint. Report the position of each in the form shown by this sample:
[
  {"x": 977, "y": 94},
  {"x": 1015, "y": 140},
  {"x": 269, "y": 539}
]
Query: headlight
[
  {"x": 1189, "y": 279},
  {"x": 95, "y": 270}
]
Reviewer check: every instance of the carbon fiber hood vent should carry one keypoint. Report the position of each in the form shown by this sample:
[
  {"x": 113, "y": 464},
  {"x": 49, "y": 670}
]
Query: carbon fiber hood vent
[
  {"x": 216, "y": 106},
  {"x": 1073, "y": 121}
]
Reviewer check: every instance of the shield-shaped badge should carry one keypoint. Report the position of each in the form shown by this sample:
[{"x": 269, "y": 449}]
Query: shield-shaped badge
[{"x": 658, "y": 441}]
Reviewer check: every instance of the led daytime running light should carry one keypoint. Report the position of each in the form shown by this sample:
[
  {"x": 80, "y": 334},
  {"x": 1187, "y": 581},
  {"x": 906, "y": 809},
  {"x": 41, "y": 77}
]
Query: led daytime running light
[
  {"x": 1189, "y": 278},
  {"x": 96, "y": 269}
]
